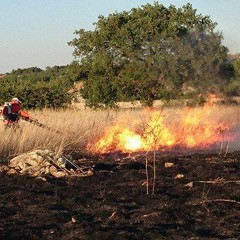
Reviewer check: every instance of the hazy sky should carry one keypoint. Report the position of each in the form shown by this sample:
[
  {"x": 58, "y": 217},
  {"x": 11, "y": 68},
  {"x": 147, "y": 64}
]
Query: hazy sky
[{"x": 34, "y": 33}]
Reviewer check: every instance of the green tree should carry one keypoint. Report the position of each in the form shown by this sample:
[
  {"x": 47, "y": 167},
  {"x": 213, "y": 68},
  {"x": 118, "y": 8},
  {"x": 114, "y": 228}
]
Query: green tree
[
  {"x": 232, "y": 70},
  {"x": 236, "y": 66},
  {"x": 148, "y": 53}
]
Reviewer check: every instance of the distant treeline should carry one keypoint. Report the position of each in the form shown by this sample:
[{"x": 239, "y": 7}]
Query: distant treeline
[
  {"x": 148, "y": 53},
  {"x": 39, "y": 88}
]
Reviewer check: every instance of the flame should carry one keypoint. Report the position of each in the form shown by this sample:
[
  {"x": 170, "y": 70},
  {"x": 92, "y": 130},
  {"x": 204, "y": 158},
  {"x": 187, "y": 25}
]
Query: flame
[
  {"x": 157, "y": 135},
  {"x": 117, "y": 138},
  {"x": 193, "y": 128},
  {"x": 214, "y": 98},
  {"x": 130, "y": 141},
  {"x": 198, "y": 130}
]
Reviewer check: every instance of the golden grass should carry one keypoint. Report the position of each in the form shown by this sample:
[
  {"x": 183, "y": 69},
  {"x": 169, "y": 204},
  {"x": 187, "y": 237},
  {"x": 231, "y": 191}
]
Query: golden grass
[{"x": 81, "y": 127}]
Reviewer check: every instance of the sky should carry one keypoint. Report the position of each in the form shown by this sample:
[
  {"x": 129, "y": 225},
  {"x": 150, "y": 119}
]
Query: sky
[{"x": 35, "y": 33}]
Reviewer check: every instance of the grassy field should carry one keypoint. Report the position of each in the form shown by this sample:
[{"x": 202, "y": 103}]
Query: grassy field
[{"x": 80, "y": 128}]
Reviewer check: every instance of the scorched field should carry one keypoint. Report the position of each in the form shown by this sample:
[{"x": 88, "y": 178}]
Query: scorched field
[{"x": 169, "y": 174}]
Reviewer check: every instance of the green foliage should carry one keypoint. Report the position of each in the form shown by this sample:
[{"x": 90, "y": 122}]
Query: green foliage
[
  {"x": 25, "y": 71},
  {"x": 236, "y": 67},
  {"x": 38, "y": 88},
  {"x": 149, "y": 53},
  {"x": 232, "y": 71},
  {"x": 233, "y": 88}
]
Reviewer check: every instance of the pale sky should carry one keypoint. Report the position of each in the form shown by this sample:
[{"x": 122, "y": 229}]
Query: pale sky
[{"x": 34, "y": 33}]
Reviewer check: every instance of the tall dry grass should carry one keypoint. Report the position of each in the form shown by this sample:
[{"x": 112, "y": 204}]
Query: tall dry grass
[
  {"x": 81, "y": 127},
  {"x": 77, "y": 129}
]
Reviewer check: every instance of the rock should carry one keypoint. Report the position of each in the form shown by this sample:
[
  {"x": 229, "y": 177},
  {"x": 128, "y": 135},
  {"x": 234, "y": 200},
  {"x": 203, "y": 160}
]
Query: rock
[
  {"x": 47, "y": 171},
  {"x": 47, "y": 163},
  {"x": 190, "y": 184},
  {"x": 17, "y": 168},
  {"x": 178, "y": 176},
  {"x": 168, "y": 165},
  {"x": 52, "y": 170},
  {"x": 42, "y": 178},
  {"x": 4, "y": 168},
  {"x": 40, "y": 163},
  {"x": 15, "y": 161},
  {"x": 23, "y": 165},
  {"x": 12, "y": 171},
  {"x": 33, "y": 162},
  {"x": 27, "y": 171},
  {"x": 34, "y": 155},
  {"x": 34, "y": 170},
  {"x": 59, "y": 174},
  {"x": 89, "y": 172},
  {"x": 61, "y": 162}
]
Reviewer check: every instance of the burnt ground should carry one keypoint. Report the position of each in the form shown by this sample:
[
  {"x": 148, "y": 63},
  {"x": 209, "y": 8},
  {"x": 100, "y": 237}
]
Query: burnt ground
[{"x": 201, "y": 203}]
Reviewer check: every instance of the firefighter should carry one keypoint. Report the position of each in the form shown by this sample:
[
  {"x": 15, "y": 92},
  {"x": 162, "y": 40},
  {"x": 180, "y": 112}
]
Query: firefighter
[{"x": 11, "y": 112}]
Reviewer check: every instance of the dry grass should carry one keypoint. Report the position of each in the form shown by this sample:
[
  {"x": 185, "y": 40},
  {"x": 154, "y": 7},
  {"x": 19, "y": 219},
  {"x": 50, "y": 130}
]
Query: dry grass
[{"x": 79, "y": 128}]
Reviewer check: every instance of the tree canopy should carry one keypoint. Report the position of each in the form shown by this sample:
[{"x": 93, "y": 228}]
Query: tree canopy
[{"x": 149, "y": 53}]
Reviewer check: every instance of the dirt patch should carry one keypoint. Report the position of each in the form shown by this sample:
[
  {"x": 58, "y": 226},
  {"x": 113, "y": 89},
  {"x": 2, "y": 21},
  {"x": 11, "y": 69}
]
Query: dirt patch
[{"x": 197, "y": 196}]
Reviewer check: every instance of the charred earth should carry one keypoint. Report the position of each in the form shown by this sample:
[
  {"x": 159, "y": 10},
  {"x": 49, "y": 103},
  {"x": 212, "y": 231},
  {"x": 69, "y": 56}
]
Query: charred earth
[{"x": 196, "y": 196}]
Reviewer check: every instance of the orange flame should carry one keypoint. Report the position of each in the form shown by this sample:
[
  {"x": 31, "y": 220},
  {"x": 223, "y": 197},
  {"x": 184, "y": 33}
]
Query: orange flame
[
  {"x": 117, "y": 138},
  {"x": 192, "y": 129}
]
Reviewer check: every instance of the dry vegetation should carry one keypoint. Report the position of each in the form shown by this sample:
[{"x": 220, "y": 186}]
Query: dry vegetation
[
  {"x": 79, "y": 128},
  {"x": 191, "y": 196}
]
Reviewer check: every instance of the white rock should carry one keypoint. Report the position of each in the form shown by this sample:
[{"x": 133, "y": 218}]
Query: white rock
[
  {"x": 42, "y": 178},
  {"x": 23, "y": 165},
  {"x": 52, "y": 169},
  {"x": 190, "y": 184},
  {"x": 47, "y": 171},
  {"x": 168, "y": 164},
  {"x": 61, "y": 162},
  {"x": 38, "y": 163},
  {"x": 15, "y": 161},
  {"x": 59, "y": 174},
  {"x": 32, "y": 162},
  {"x": 178, "y": 176}
]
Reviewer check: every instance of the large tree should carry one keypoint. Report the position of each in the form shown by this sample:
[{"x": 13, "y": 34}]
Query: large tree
[{"x": 148, "y": 53}]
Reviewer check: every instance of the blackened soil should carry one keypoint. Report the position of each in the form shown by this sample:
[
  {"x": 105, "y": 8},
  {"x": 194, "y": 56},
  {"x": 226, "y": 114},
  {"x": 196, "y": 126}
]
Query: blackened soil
[{"x": 197, "y": 198}]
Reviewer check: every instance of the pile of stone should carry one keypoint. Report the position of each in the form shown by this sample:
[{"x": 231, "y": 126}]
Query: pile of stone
[{"x": 40, "y": 163}]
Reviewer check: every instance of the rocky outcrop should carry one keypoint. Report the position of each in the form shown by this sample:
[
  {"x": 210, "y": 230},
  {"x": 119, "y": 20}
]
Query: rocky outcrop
[{"x": 43, "y": 162}]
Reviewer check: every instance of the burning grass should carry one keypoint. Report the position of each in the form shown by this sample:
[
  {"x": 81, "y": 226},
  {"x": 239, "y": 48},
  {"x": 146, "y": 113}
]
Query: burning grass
[
  {"x": 169, "y": 129},
  {"x": 123, "y": 130}
]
